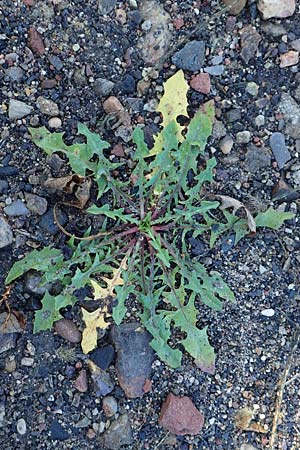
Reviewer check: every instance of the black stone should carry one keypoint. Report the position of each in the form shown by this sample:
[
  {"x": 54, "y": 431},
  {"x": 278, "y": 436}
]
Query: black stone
[
  {"x": 48, "y": 224},
  {"x": 8, "y": 171},
  {"x": 103, "y": 356},
  {"x": 57, "y": 432}
]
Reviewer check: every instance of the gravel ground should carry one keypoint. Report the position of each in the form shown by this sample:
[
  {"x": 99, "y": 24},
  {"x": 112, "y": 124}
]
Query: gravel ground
[{"x": 75, "y": 55}]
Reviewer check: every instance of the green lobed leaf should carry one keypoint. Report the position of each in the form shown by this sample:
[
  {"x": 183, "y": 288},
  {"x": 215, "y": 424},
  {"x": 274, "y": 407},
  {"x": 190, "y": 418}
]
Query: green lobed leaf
[
  {"x": 272, "y": 218},
  {"x": 50, "y": 312},
  {"x": 39, "y": 260}
]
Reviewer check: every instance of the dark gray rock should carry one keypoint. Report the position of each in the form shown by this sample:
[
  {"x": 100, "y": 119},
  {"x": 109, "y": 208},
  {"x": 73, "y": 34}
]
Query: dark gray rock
[
  {"x": 6, "y": 235},
  {"x": 134, "y": 357},
  {"x": 257, "y": 158},
  {"x": 48, "y": 224},
  {"x": 57, "y": 432},
  {"x": 279, "y": 149},
  {"x": 118, "y": 434},
  {"x": 17, "y": 208},
  {"x": 3, "y": 186},
  {"x": 8, "y": 171},
  {"x": 32, "y": 283},
  {"x": 101, "y": 379},
  {"x": 8, "y": 341},
  {"x": 233, "y": 115},
  {"x": 103, "y": 356},
  {"x": 191, "y": 56},
  {"x": 250, "y": 39},
  {"x": 15, "y": 74},
  {"x": 18, "y": 109},
  {"x": 103, "y": 87},
  {"x": 215, "y": 70},
  {"x": 106, "y": 6}
]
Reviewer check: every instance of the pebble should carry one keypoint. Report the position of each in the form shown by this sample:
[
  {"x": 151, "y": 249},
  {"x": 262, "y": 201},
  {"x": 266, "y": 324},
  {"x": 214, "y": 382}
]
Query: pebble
[
  {"x": 252, "y": 88},
  {"x": 276, "y": 8},
  {"x": 191, "y": 56},
  {"x": 6, "y": 235},
  {"x": 57, "y": 432},
  {"x": 8, "y": 171},
  {"x": 288, "y": 59},
  {"x": 21, "y": 427},
  {"x": 15, "y": 74},
  {"x": 68, "y": 330},
  {"x": 233, "y": 115},
  {"x": 219, "y": 130},
  {"x": 32, "y": 284},
  {"x": 106, "y": 6},
  {"x": 291, "y": 113},
  {"x": 112, "y": 105},
  {"x": 103, "y": 356},
  {"x": 56, "y": 62},
  {"x": 250, "y": 39},
  {"x": 55, "y": 123},
  {"x": 36, "y": 204},
  {"x": 279, "y": 149},
  {"x": 18, "y": 109},
  {"x": 257, "y": 158},
  {"x": 8, "y": 341},
  {"x": 102, "y": 381},
  {"x": 237, "y": 7},
  {"x": 121, "y": 16},
  {"x": 16, "y": 208},
  {"x": 215, "y": 70},
  {"x": 201, "y": 83},
  {"x": 259, "y": 120},
  {"x": 81, "y": 382},
  {"x": 109, "y": 406},
  {"x": 83, "y": 423},
  {"x": 179, "y": 416},
  {"x": 35, "y": 42},
  {"x": 268, "y": 312},
  {"x": 47, "y": 221},
  {"x": 47, "y": 106},
  {"x": 134, "y": 357},
  {"x": 243, "y": 137},
  {"x": 48, "y": 84},
  {"x": 226, "y": 144},
  {"x": 247, "y": 447},
  {"x": 103, "y": 87},
  {"x": 118, "y": 434},
  {"x": 27, "y": 362},
  {"x": 3, "y": 186},
  {"x": 154, "y": 43}
]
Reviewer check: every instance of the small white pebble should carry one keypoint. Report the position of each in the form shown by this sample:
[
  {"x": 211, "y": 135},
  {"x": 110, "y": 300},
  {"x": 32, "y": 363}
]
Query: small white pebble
[
  {"x": 76, "y": 47},
  {"x": 21, "y": 426},
  {"x": 269, "y": 312}
]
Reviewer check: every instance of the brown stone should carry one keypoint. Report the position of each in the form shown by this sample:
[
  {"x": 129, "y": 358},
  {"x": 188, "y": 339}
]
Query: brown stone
[
  {"x": 178, "y": 23},
  {"x": 118, "y": 150},
  {"x": 48, "y": 84},
  {"x": 288, "y": 59},
  {"x": 28, "y": 2},
  {"x": 201, "y": 83},
  {"x": 180, "y": 416},
  {"x": 35, "y": 42},
  {"x": 68, "y": 330},
  {"x": 112, "y": 105},
  {"x": 81, "y": 383}
]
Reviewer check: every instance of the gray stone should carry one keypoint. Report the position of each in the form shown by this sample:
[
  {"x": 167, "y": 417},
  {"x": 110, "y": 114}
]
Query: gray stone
[
  {"x": 15, "y": 73},
  {"x": 134, "y": 357},
  {"x": 56, "y": 62},
  {"x": 279, "y": 149},
  {"x": 247, "y": 447},
  {"x": 47, "y": 106},
  {"x": 118, "y": 434},
  {"x": 32, "y": 283},
  {"x": 6, "y": 235},
  {"x": 219, "y": 130},
  {"x": 257, "y": 158},
  {"x": 79, "y": 77},
  {"x": 276, "y": 8},
  {"x": 103, "y": 87},
  {"x": 191, "y": 56},
  {"x": 250, "y": 39},
  {"x": 102, "y": 381},
  {"x": 233, "y": 115},
  {"x": 3, "y": 186},
  {"x": 252, "y": 88},
  {"x": 8, "y": 341},
  {"x": 215, "y": 70},
  {"x": 106, "y": 6},
  {"x": 273, "y": 29},
  {"x": 243, "y": 137},
  {"x": 83, "y": 423},
  {"x": 17, "y": 208},
  {"x": 48, "y": 224},
  {"x": 2, "y": 412},
  {"x": 36, "y": 204},
  {"x": 226, "y": 144},
  {"x": 291, "y": 113},
  {"x": 18, "y": 109},
  {"x": 109, "y": 406}
]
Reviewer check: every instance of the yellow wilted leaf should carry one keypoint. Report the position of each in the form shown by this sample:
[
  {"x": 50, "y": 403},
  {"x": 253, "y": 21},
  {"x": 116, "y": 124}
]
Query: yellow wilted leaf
[
  {"x": 92, "y": 321},
  {"x": 111, "y": 283},
  {"x": 172, "y": 104}
]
